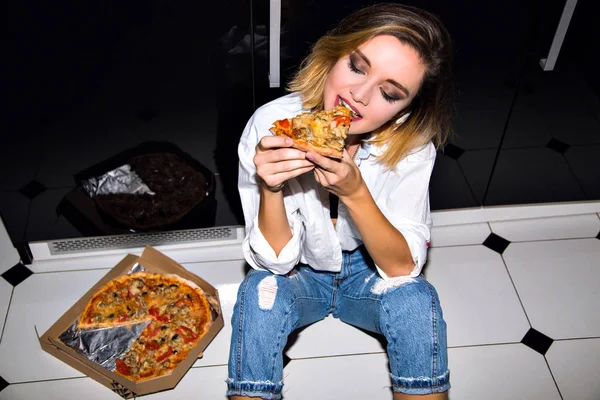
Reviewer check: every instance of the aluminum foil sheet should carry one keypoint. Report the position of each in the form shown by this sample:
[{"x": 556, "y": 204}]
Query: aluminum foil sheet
[
  {"x": 104, "y": 346},
  {"x": 119, "y": 180}
]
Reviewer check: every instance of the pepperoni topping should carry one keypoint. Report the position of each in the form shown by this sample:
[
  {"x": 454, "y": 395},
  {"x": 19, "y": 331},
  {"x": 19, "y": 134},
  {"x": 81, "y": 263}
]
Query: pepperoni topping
[
  {"x": 122, "y": 368},
  {"x": 184, "y": 302},
  {"x": 155, "y": 312},
  {"x": 341, "y": 119},
  {"x": 186, "y": 333},
  {"x": 164, "y": 355},
  {"x": 152, "y": 331},
  {"x": 152, "y": 345},
  {"x": 284, "y": 123}
]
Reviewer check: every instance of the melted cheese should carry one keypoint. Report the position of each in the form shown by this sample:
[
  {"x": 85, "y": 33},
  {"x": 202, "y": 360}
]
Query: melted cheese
[{"x": 319, "y": 128}]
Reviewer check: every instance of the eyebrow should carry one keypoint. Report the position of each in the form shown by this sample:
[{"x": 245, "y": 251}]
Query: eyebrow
[{"x": 393, "y": 82}]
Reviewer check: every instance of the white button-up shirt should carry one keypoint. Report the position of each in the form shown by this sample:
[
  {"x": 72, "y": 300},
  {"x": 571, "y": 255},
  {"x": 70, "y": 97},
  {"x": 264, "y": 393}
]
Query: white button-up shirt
[{"x": 402, "y": 195}]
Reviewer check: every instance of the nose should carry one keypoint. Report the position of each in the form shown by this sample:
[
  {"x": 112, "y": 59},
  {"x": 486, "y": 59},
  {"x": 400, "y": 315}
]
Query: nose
[{"x": 360, "y": 93}]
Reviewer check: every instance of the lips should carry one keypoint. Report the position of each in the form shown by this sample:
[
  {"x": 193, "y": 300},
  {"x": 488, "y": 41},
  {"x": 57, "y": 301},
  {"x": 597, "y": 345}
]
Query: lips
[{"x": 346, "y": 103}]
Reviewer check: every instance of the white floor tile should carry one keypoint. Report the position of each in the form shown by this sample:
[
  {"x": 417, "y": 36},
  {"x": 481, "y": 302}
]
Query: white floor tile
[
  {"x": 37, "y": 303},
  {"x": 502, "y": 372},
  {"x": 332, "y": 337},
  {"x": 479, "y": 302},
  {"x": 5, "y": 294},
  {"x": 65, "y": 389},
  {"x": 197, "y": 384},
  {"x": 575, "y": 365},
  {"x": 350, "y": 377},
  {"x": 456, "y": 235},
  {"x": 326, "y": 338},
  {"x": 558, "y": 283},
  {"x": 567, "y": 227},
  {"x": 8, "y": 254}
]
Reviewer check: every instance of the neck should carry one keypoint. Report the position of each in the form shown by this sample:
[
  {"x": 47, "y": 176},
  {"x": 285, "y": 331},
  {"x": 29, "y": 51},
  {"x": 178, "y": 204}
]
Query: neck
[
  {"x": 352, "y": 140},
  {"x": 352, "y": 149}
]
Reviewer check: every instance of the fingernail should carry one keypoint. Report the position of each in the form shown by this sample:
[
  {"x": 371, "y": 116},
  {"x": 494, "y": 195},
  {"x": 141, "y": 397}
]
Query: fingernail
[{"x": 288, "y": 141}]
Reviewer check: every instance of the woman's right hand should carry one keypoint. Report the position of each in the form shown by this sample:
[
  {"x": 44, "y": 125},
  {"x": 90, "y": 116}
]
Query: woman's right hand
[{"x": 276, "y": 162}]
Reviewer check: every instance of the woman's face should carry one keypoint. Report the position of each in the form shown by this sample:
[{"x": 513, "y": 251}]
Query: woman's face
[{"x": 377, "y": 80}]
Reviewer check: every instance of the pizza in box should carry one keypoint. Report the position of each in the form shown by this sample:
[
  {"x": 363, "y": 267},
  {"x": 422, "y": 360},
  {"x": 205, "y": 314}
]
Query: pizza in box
[{"x": 176, "y": 310}]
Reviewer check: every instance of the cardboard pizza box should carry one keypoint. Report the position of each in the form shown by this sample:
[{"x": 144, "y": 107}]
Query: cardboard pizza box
[{"x": 153, "y": 261}]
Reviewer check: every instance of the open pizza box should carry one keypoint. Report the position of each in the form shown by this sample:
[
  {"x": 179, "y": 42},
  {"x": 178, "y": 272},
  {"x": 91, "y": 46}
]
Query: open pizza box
[{"x": 151, "y": 260}]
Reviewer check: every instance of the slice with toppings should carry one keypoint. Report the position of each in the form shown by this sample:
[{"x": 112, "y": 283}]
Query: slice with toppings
[
  {"x": 119, "y": 302},
  {"x": 323, "y": 132}
]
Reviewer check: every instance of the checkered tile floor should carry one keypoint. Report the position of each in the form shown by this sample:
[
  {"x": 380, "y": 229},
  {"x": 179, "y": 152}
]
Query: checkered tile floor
[{"x": 519, "y": 297}]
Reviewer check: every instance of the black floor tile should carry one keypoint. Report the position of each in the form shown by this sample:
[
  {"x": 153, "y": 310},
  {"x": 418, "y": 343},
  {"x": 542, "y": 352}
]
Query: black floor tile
[
  {"x": 228, "y": 207},
  {"x": 14, "y": 208},
  {"x": 558, "y": 145},
  {"x": 585, "y": 163},
  {"x": 3, "y": 384},
  {"x": 554, "y": 107},
  {"x": 537, "y": 341},
  {"x": 19, "y": 159},
  {"x": 496, "y": 243},
  {"x": 17, "y": 274},
  {"x": 477, "y": 167},
  {"x": 44, "y": 222},
  {"x": 538, "y": 175},
  {"x": 453, "y": 151},
  {"x": 483, "y": 103},
  {"x": 33, "y": 189},
  {"x": 448, "y": 187},
  {"x": 147, "y": 114},
  {"x": 95, "y": 136},
  {"x": 286, "y": 360}
]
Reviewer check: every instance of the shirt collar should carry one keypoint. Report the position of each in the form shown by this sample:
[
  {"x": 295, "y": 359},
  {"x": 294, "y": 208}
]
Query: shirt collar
[
  {"x": 369, "y": 148},
  {"x": 366, "y": 150}
]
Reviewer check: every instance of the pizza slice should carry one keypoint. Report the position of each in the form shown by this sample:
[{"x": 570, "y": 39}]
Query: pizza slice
[
  {"x": 323, "y": 132},
  {"x": 117, "y": 303}
]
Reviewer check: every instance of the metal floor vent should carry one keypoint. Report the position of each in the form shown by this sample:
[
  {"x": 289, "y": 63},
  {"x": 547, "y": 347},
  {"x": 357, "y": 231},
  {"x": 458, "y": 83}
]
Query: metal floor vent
[{"x": 116, "y": 242}]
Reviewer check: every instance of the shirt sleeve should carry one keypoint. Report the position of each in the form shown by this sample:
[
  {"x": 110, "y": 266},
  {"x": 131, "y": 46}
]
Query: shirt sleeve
[
  {"x": 257, "y": 251},
  {"x": 406, "y": 206}
]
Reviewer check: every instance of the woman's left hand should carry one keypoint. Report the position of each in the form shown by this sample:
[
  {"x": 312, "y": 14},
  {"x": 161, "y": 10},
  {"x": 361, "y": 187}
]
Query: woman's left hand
[{"x": 342, "y": 178}]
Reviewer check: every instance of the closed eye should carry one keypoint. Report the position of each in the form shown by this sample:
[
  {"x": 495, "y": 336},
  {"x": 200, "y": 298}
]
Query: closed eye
[
  {"x": 353, "y": 67},
  {"x": 390, "y": 99}
]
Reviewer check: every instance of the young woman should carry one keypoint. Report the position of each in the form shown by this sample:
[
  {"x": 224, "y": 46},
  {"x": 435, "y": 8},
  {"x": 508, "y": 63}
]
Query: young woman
[{"x": 391, "y": 65}]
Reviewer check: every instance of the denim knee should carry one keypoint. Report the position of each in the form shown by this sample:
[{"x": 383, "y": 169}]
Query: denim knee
[
  {"x": 261, "y": 323},
  {"x": 266, "y": 292}
]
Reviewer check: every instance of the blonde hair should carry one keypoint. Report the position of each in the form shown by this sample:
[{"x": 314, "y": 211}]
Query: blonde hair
[{"x": 432, "y": 109}]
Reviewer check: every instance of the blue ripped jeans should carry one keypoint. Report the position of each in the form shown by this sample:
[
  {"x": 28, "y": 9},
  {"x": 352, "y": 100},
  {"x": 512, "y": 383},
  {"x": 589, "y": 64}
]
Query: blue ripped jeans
[{"x": 269, "y": 307}]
